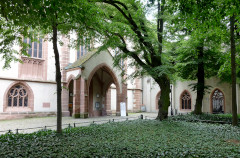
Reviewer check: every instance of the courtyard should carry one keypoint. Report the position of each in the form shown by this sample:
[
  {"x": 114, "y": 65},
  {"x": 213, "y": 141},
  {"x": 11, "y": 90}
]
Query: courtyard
[
  {"x": 28, "y": 125},
  {"x": 132, "y": 138}
]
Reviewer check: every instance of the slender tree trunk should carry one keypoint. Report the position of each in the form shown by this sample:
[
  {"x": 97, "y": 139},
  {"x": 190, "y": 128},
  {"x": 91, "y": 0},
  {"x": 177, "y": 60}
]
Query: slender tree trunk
[
  {"x": 164, "y": 101},
  {"x": 58, "y": 80},
  {"x": 200, "y": 81},
  {"x": 233, "y": 66}
]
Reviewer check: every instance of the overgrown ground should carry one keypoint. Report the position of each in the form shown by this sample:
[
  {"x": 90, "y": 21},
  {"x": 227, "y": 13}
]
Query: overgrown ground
[
  {"x": 225, "y": 118},
  {"x": 140, "y": 138}
]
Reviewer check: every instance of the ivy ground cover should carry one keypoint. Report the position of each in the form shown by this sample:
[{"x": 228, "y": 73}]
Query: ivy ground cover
[{"x": 139, "y": 138}]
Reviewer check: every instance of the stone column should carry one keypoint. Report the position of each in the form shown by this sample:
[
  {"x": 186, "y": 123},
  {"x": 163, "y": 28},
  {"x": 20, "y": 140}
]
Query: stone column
[
  {"x": 83, "y": 98},
  {"x": 65, "y": 98},
  {"x": 76, "y": 98},
  {"x": 64, "y": 60},
  {"x": 137, "y": 95},
  {"x": 122, "y": 97},
  {"x": 108, "y": 101}
]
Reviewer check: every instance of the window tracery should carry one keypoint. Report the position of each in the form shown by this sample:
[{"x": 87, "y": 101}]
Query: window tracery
[
  {"x": 185, "y": 101},
  {"x": 217, "y": 101},
  {"x": 18, "y": 97}
]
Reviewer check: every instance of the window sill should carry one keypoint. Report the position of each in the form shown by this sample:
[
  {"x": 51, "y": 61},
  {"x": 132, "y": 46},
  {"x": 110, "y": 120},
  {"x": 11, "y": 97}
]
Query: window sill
[
  {"x": 18, "y": 109},
  {"x": 32, "y": 58}
]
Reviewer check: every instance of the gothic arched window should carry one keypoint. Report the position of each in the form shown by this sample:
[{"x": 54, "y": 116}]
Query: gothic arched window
[
  {"x": 217, "y": 101},
  {"x": 18, "y": 97},
  {"x": 186, "y": 101}
]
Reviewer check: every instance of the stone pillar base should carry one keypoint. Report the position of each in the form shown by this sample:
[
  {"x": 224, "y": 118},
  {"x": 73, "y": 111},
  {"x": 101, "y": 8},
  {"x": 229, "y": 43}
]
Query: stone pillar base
[
  {"x": 65, "y": 113},
  {"x": 109, "y": 112},
  {"x": 83, "y": 115},
  {"x": 118, "y": 114},
  {"x": 76, "y": 115}
]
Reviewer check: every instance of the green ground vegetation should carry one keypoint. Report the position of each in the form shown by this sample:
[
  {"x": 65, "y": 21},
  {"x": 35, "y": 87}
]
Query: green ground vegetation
[
  {"x": 139, "y": 138},
  {"x": 225, "y": 118}
]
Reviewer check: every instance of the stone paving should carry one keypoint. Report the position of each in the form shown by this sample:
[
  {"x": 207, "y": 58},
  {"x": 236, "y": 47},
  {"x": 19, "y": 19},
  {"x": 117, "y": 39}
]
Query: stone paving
[{"x": 29, "y": 125}]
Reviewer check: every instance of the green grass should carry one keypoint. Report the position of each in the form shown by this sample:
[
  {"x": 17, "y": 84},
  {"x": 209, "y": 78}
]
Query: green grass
[{"x": 140, "y": 138}]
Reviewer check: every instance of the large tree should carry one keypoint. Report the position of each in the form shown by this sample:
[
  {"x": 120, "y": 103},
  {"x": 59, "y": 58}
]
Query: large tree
[
  {"x": 229, "y": 14},
  {"x": 234, "y": 24},
  {"x": 198, "y": 53},
  {"x": 124, "y": 25}
]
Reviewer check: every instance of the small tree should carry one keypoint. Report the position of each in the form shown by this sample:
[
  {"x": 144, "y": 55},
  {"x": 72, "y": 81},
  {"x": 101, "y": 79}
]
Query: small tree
[{"x": 49, "y": 17}]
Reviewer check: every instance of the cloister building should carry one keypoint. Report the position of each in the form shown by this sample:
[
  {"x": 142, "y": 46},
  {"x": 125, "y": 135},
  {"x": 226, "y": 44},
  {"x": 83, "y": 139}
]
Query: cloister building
[{"x": 92, "y": 86}]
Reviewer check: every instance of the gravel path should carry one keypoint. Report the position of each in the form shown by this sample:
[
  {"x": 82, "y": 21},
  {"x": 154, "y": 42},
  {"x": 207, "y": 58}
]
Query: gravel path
[{"x": 25, "y": 125}]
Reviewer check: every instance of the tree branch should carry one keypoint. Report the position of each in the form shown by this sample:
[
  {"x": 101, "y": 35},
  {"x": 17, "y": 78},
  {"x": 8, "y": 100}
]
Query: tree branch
[{"x": 135, "y": 29}]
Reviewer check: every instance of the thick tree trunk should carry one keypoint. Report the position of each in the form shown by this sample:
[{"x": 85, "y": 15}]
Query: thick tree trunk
[
  {"x": 200, "y": 81},
  {"x": 164, "y": 101},
  {"x": 58, "y": 80},
  {"x": 233, "y": 66},
  {"x": 163, "y": 81}
]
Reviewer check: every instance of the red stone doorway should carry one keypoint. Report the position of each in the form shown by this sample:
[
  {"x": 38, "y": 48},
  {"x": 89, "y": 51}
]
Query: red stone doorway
[{"x": 102, "y": 82}]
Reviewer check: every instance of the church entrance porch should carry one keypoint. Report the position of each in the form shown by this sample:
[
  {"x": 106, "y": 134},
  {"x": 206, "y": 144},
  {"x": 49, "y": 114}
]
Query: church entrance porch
[
  {"x": 103, "y": 92},
  {"x": 98, "y": 88}
]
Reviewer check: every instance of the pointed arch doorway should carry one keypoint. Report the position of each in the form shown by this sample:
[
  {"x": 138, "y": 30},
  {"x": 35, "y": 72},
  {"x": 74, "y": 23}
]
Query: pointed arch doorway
[{"x": 99, "y": 82}]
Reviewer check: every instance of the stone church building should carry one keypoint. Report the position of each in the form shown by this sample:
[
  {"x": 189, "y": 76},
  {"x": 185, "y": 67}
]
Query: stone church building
[{"x": 92, "y": 87}]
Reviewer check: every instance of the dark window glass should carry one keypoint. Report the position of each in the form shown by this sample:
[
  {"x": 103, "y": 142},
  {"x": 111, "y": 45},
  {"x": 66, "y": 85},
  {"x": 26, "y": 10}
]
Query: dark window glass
[
  {"x": 35, "y": 49},
  {"x": 189, "y": 103},
  {"x": 78, "y": 54},
  {"x": 82, "y": 51},
  {"x": 9, "y": 101},
  {"x": 20, "y": 101},
  {"x": 26, "y": 102},
  {"x": 15, "y": 101},
  {"x": 30, "y": 48},
  {"x": 40, "y": 48}
]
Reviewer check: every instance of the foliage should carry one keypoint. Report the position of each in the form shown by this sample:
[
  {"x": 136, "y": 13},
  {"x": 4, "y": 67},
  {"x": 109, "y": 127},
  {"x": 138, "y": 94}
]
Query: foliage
[
  {"x": 211, "y": 117},
  {"x": 123, "y": 24},
  {"x": 140, "y": 138},
  {"x": 10, "y": 35},
  {"x": 190, "y": 28},
  {"x": 224, "y": 73}
]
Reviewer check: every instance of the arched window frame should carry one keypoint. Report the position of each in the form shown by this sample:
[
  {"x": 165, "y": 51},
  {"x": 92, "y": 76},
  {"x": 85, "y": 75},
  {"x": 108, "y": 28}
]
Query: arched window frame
[
  {"x": 18, "y": 96},
  {"x": 29, "y": 91},
  {"x": 211, "y": 105},
  {"x": 184, "y": 92}
]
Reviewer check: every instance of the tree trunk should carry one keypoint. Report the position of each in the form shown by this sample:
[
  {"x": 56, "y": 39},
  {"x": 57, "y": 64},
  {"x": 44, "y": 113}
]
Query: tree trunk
[
  {"x": 200, "y": 81},
  {"x": 58, "y": 80},
  {"x": 233, "y": 66},
  {"x": 164, "y": 101},
  {"x": 163, "y": 81}
]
